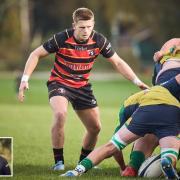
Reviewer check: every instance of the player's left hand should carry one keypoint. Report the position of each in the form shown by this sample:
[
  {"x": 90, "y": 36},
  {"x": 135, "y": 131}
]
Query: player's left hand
[{"x": 143, "y": 86}]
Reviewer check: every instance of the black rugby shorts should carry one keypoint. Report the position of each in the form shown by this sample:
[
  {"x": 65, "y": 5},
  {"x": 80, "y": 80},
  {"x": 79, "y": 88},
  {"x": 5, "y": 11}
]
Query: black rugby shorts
[{"x": 80, "y": 98}]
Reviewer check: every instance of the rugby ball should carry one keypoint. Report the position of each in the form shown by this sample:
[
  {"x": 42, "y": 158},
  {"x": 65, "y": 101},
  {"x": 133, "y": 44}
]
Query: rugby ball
[{"x": 151, "y": 167}]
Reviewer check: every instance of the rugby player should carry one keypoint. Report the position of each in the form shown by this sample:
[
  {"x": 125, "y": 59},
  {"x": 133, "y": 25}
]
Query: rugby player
[
  {"x": 162, "y": 100},
  {"x": 143, "y": 147},
  {"x": 167, "y": 65},
  {"x": 75, "y": 52}
]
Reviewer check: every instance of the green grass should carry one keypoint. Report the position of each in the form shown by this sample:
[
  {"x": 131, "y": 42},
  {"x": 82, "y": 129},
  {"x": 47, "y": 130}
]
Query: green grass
[{"x": 29, "y": 124}]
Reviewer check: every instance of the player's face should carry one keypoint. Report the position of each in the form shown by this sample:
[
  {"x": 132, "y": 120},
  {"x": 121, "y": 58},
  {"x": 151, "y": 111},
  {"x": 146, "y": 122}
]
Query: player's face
[{"x": 83, "y": 29}]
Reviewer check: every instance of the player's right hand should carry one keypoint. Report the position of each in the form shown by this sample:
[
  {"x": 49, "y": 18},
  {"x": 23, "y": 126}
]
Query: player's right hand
[
  {"x": 23, "y": 86},
  {"x": 157, "y": 56}
]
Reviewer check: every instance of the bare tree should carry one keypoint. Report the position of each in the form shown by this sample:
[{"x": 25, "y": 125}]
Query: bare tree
[{"x": 25, "y": 25}]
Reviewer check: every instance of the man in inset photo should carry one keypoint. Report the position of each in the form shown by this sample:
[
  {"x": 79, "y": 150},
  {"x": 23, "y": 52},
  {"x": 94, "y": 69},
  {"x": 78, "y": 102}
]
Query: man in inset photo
[{"x": 5, "y": 156}]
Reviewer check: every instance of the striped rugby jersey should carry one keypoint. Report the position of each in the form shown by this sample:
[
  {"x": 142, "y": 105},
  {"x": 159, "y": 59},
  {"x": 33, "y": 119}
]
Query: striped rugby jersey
[{"x": 74, "y": 60}]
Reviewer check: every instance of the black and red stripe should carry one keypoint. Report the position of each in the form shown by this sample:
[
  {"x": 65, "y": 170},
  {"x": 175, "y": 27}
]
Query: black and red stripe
[{"x": 74, "y": 60}]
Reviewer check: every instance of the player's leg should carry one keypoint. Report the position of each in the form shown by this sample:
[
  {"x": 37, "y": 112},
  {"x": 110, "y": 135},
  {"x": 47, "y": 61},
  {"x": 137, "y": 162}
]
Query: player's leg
[
  {"x": 91, "y": 120},
  {"x": 144, "y": 121},
  {"x": 142, "y": 149},
  {"x": 59, "y": 105},
  {"x": 169, "y": 154},
  {"x": 94, "y": 158},
  {"x": 146, "y": 144},
  {"x": 118, "y": 156},
  {"x": 119, "y": 141}
]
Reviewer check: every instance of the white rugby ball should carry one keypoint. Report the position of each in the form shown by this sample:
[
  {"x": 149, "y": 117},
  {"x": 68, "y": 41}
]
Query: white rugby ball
[{"x": 151, "y": 167}]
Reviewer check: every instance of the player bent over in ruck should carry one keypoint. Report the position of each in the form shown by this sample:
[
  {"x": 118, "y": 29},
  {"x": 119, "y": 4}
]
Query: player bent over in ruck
[
  {"x": 167, "y": 65},
  {"x": 159, "y": 100}
]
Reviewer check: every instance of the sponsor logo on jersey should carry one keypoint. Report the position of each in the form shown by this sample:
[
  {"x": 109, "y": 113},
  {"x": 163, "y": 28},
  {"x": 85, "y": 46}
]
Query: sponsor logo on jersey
[
  {"x": 77, "y": 67},
  {"x": 80, "y": 48}
]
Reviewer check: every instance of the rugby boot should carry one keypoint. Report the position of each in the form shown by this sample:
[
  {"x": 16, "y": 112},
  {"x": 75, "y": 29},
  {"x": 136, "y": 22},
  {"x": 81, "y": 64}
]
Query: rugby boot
[
  {"x": 129, "y": 172},
  {"x": 168, "y": 170},
  {"x": 78, "y": 171},
  {"x": 59, "y": 166},
  {"x": 71, "y": 173}
]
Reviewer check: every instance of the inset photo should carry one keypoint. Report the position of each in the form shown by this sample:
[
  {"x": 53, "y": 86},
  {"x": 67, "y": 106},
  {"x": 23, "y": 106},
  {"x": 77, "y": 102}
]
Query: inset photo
[{"x": 6, "y": 156}]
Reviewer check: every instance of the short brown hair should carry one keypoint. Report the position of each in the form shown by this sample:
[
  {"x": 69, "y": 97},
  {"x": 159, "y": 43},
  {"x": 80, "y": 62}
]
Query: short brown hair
[{"x": 82, "y": 14}]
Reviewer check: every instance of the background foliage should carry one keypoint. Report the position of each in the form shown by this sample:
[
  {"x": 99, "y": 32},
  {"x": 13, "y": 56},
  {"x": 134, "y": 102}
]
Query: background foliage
[{"x": 25, "y": 24}]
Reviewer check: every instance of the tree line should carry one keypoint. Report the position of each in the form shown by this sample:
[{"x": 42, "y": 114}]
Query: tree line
[{"x": 25, "y": 24}]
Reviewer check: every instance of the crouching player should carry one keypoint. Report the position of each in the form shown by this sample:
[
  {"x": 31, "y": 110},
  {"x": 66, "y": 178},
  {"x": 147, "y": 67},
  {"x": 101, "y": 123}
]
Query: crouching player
[
  {"x": 167, "y": 65},
  {"x": 158, "y": 101},
  {"x": 167, "y": 61}
]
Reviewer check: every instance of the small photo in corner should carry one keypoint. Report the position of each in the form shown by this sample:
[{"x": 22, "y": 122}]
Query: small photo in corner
[{"x": 6, "y": 156}]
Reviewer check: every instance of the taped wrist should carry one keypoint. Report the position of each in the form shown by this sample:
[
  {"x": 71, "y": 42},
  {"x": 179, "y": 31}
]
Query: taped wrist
[
  {"x": 136, "y": 81},
  {"x": 25, "y": 78}
]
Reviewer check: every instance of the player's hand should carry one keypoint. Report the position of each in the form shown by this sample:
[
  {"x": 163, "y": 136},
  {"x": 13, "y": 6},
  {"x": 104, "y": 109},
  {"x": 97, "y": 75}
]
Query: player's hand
[
  {"x": 157, "y": 56},
  {"x": 140, "y": 84},
  {"x": 143, "y": 86},
  {"x": 23, "y": 86}
]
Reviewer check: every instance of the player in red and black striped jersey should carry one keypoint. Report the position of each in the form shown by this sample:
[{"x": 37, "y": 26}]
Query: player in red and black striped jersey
[
  {"x": 74, "y": 60},
  {"x": 75, "y": 52}
]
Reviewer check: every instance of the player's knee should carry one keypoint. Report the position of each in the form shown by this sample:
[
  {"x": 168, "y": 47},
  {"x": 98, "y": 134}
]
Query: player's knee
[
  {"x": 95, "y": 129},
  {"x": 60, "y": 115},
  {"x": 59, "y": 119}
]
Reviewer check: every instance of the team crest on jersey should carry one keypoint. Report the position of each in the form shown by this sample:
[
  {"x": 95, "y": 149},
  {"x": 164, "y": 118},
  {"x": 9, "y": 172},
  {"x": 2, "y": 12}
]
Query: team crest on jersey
[{"x": 92, "y": 53}]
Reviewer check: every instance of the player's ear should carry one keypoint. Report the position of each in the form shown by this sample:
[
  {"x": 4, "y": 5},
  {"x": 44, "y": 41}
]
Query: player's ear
[
  {"x": 176, "y": 50},
  {"x": 93, "y": 23},
  {"x": 73, "y": 25}
]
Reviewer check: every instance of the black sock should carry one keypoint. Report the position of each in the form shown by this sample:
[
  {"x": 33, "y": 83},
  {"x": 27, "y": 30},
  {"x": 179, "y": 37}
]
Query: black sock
[
  {"x": 84, "y": 154},
  {"x": 58, "y": 155}
]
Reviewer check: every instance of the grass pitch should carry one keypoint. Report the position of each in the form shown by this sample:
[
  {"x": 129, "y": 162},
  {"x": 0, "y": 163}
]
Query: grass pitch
[{"x": 29, "y": 124}]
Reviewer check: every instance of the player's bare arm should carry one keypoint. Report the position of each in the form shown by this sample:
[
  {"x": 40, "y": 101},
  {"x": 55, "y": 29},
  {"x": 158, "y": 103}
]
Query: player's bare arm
[
  {"x": 29, "y": 68},
  {"x": 178, "y": 78},
  {"x": 126, "y": 71}
]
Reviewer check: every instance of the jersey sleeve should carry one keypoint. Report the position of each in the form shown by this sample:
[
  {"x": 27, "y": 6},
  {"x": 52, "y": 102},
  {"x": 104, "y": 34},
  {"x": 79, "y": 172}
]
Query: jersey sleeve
[
  {"x": 54, "y": 43},
  {"x": 173, "y": 87},
  {"x": 157, "y": 68},
  {"x": 105, "y": 47}
]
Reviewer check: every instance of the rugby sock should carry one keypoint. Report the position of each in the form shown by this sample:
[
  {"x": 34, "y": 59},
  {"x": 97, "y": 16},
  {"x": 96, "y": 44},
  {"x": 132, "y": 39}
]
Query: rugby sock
[
  {"x": 136, "y": 159},
  {"x": 171, "y": 154},
  {"x": 118, "y": 142},
  {"x": 58, "y": 155},
  {"x": 169, "y": 158},
  {"x": 117, "y": 129},
  {"x": 86, "y": 163},
  {"x": 84, "y": 154}
]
